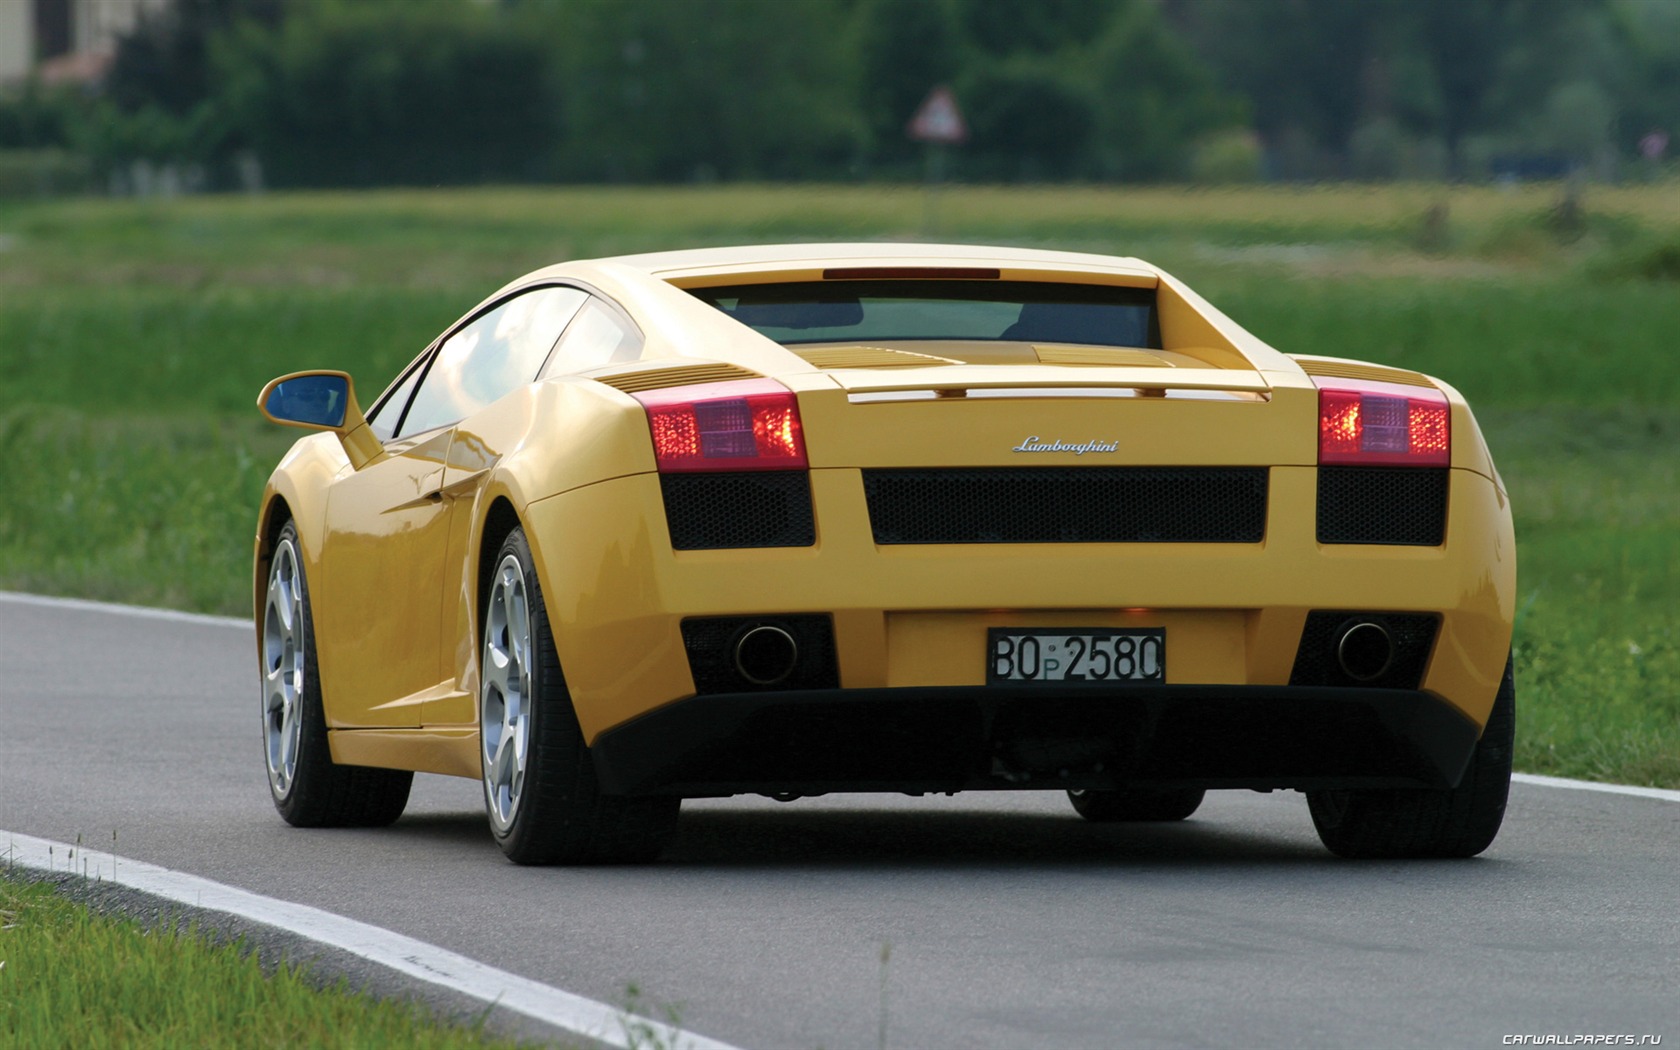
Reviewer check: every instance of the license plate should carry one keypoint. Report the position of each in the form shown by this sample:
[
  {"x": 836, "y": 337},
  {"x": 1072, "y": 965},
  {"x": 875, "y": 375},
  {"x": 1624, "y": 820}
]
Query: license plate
[{"x": 1059, "y": 654}]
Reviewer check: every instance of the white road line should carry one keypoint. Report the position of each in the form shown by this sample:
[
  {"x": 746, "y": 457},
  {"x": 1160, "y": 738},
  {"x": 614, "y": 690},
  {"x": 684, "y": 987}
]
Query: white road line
[
  {"x": 140, "y": 611},
  {"x": 1537, "y": 780},
  {"x": 426, "y": 962}
]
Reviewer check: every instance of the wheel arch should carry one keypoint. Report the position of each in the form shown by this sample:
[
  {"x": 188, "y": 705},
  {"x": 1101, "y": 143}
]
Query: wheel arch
[
  {"x": 271, "y": 518},
  {"x": 500, "y": 519},
  {"x": 296, "y": 491}
]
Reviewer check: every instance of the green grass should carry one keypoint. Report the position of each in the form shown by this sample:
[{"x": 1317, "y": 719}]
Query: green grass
[
  {"x": 1597, "y": 499},
  {"x": 155, "y": 510},
  {"x": 135, "y": 335},
  {"x": 70, "y": 976}
]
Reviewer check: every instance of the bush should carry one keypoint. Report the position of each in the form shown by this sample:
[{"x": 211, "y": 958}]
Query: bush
[
  {"x": 377, "y": 94},
  {"x": 1156, "y": 99},
  {"x": 1650, "y": 260},
  {"x": 43, "y": 173},
  {"x": 1227, "y": 157},
  {"x": 1026, "y": 122}
]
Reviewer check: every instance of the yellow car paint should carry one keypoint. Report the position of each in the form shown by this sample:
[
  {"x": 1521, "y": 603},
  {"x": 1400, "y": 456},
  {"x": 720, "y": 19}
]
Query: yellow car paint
[{"x": 392, "y": 533}]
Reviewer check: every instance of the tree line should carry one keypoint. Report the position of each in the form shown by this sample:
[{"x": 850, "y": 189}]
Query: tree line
[{"x": 423, "y": 92}]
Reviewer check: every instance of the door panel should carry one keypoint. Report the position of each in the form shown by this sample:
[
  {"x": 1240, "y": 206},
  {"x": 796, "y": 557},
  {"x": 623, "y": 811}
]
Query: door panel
[
  {"x": 465, "y": 472},
  {"x": 380, "y": 598}
]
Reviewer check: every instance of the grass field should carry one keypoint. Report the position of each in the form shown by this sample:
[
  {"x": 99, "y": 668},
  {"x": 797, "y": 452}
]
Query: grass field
[
  {"x": 72, "y": 977},
  {"x": 134, "y": 336}
]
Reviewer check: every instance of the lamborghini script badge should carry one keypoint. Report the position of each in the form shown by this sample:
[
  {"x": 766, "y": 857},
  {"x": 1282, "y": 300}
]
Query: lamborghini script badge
[{"x": 1037, "y": 444}]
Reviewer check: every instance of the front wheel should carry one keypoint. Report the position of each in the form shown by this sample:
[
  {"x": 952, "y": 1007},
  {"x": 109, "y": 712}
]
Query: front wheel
[
  {"x": 540, "y": 790},
  {"x": 1450, "y": 822},
  {"x": 1137, "y": 804},
  {"x": 309, "y": 789}
]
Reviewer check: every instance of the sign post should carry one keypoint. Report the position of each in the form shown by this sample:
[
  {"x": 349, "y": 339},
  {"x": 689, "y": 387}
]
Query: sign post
[{"x": 937, "y": 123}]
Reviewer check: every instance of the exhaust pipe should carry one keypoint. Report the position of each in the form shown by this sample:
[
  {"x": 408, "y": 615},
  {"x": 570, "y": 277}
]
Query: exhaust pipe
[
  {"x": 766, "y": 655},
  {"x": 1364, "y": 650}
]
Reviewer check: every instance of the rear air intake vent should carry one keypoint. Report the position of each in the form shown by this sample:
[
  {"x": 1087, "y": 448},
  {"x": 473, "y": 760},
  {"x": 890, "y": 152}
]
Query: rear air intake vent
[
  {"x": 1400, "y": 506},
  {"x": 659, "y": 378},
  {"x": 1068, "y": 505},
  {"x": 1370, "y": 373},
  {"x": 713, "y": 511}
]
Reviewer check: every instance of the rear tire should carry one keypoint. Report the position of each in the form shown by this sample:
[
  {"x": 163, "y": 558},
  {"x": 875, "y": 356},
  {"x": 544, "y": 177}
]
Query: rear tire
[
  {"x": 1451, "y": 822},
  {"x": 309, "y": 789},
  {"x": 540, "y": 790},
  {"x": 1137, "y": 804}
]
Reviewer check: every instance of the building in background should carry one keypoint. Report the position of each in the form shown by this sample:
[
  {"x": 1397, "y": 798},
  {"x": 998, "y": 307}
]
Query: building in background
[{"x": 64, "y": 41}]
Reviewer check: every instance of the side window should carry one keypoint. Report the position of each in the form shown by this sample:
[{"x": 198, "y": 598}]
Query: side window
[
  {"x": 491, "y": 355},
  {"x": 383, "y": 420},
  {"x": 597, "y": 337}
]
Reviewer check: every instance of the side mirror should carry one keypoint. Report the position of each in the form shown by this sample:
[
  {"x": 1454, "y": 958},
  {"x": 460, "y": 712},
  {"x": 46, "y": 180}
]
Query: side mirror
[
  {"x": 310, "y": 399},
  {"x": 322, "y": 401}
]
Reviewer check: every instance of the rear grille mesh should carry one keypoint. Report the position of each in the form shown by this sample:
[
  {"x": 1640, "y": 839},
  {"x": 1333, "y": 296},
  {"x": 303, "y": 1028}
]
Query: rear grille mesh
[
  {"x": 1068, "y": 505},
  {"x": 1403, "y": 506},
  {"x": 739, "y": 509}
]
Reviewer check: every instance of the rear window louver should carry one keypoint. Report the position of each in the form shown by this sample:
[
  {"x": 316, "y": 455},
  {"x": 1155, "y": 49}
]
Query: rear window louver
[
  {"x": 686, "y": 375},
  {"x": 870, "y": 357},
  {"x": 1113, "y": 357}
]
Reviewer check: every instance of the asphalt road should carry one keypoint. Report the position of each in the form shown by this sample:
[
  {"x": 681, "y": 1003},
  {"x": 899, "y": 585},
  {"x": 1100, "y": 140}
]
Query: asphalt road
[{"x": 1010, "y": 922}]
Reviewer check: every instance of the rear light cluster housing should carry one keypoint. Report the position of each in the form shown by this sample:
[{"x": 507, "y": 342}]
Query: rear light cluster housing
[
  {"x": 1363, "y": 423},
  {"x": 746, "y": 424}
]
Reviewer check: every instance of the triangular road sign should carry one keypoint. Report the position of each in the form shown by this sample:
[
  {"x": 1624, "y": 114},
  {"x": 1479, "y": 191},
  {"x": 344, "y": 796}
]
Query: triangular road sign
[{"x": 938, "y": 119}]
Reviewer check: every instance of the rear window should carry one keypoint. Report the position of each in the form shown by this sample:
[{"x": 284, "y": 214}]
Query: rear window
[{"x": 897, "y": 310}]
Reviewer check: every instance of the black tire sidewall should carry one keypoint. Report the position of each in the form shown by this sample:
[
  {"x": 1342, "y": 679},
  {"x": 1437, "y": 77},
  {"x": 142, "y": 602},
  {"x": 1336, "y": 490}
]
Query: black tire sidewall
[
  {"x": 1455, "y": 822},
  {"x": 527, "y": 836}
]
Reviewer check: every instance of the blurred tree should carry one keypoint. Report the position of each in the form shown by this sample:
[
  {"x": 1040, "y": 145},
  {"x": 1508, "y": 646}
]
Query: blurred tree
[
  {"x": 32, "y": 116},
  {"x": 1157, "y": 99},
  {"x": 1461, "y": 41},
  {"x": 159, "y": 101},
  {"x": 165, "y": 61},
  {"x": 368, "y": 93},
  {"x": 907, "y": 47},
  {"x": 1027, "y": 120},
  {"x": 1112, "y": 91},
  {"x": 1384, "y": 78},
  {"x": 711, "y": 89},
  {"x": 1000, "y": 28},
  {"x": 1652, "y": 99},
  {"x": 1578, "y": 122},
  {"x": 1303, "y": 64}
]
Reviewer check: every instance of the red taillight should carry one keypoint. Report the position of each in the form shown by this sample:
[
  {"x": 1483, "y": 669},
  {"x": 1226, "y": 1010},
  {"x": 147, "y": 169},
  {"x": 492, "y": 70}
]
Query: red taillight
[
  {"x": 1383, "y": 424},
  {"x": 750, "y": 424}
]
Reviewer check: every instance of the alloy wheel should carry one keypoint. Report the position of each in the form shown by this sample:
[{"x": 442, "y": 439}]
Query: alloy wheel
[
  {"x": 505, "y": 696},
  {"x": 284, "y": 667}
]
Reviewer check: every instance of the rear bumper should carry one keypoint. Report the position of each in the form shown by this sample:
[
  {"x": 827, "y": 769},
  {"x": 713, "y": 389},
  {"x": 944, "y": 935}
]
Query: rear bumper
[
  {"x": 913, "y": 620},
  {"x": 973, "y": 738}
]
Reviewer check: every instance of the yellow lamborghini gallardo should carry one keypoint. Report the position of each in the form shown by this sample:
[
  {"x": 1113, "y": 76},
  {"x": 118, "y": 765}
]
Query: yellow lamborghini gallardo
[{"x": 909, "y": 518}]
